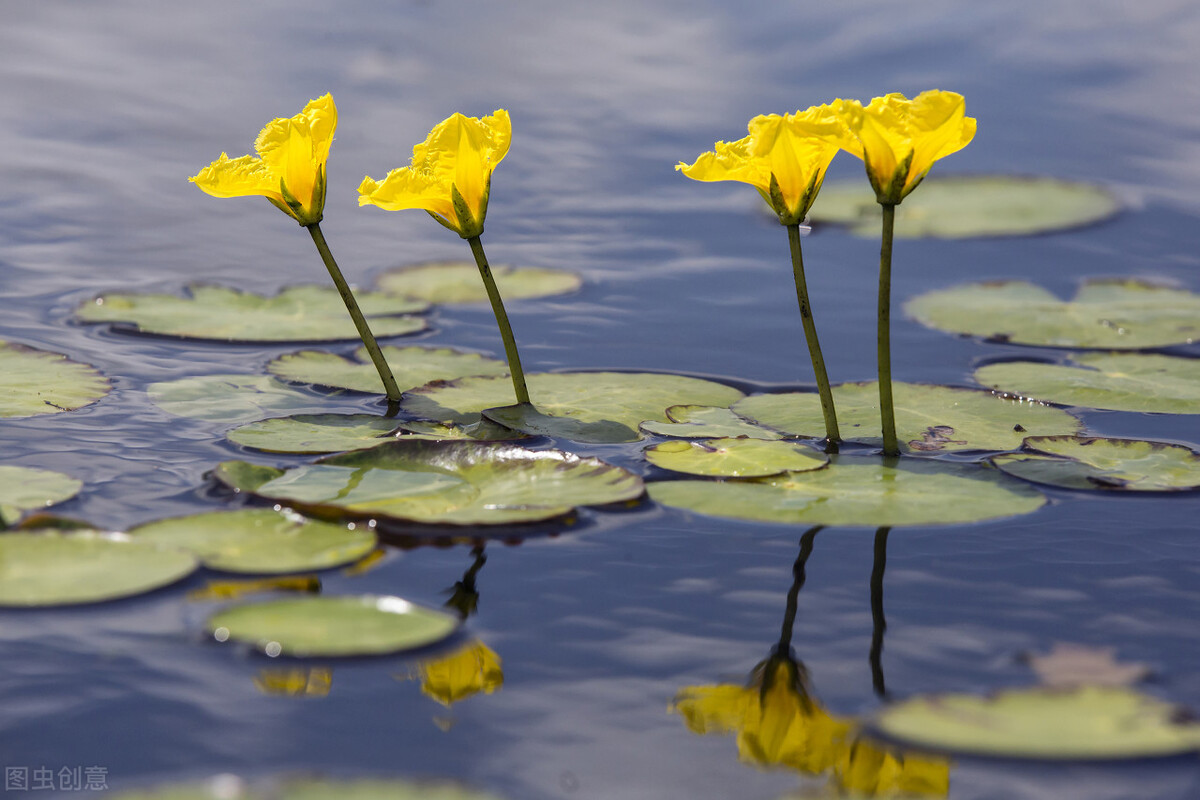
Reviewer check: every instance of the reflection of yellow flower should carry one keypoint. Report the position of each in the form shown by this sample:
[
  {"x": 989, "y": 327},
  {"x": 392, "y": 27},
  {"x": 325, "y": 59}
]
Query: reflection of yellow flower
[
  {"x": 776, "y": 721},
  {"x": 873, "y": 772},
  {"x": 784, "y": 157},
  {"x": 899, "y": 139},
  {"x": 450, "y": 175},
  {"x": 290, "y": 167},
  {"x": 299, "y": 682},
  {"x": 465, "y": 672}
]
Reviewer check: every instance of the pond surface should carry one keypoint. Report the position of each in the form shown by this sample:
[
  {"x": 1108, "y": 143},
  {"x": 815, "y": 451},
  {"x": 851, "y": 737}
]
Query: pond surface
[{"x": 109, "y": 107}]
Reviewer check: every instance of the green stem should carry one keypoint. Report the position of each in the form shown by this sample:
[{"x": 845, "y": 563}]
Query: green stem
[
  {"x": 510, "y": 344},
  {"x": 360, "y": 322},
  {"x": 887, "y": 413},
  {"x": 810, "y": 335}
]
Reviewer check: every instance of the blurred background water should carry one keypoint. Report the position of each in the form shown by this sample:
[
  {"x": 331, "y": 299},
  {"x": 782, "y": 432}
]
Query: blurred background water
[{"x": 108, "y": 107}]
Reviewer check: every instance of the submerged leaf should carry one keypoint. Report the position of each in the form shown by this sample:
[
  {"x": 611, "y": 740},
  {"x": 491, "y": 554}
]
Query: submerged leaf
[
  {"x": 296, "y": 314},
  {"x": 459, "y": 282},
  {"x": 706, "y": 422},
  {"x": 228, "y": 398},
  {"x": 1108, "y": 314},
  {"x": 411, "y": 366},
  {"x": 34, "y": 382},
  {"x": 735, "y": 458},
  {"x": 1084, "y": 462},
  {"x": 313, "y": 433}
]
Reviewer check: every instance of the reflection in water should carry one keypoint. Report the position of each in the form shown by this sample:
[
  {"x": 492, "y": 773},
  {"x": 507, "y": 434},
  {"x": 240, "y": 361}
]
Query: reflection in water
[
  {"x": 298, "y": 682},
  {"x": 779, "y": 722}
]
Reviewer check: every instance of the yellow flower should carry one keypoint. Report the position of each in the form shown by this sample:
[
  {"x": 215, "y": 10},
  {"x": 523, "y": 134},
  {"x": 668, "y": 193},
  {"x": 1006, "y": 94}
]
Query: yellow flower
[
  {"x": 777, "y": 722},
  {"x": 290, "y": 167},
  {"x": 465, "y": 672},
  {"x": 899, "y": 139},
  {"x": 784, "y": 157},
  {"x": 450, "y": 175},
  {"x": 873, "y": 772}
]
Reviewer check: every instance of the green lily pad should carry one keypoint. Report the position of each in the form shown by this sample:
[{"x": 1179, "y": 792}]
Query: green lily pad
[
  {"x": 26, "y": 489},
  {"x": 928, "y": 418},
  {"x": 333, "y": 626},
  {"x": 735, "y": 458},
  {"x": 860, "y": 492},
  {"x": 706, "y": 422},
  {"x": 228, "y": 398},
  {"x": 313, "y": 433},
  {"x": 482, "y": 431},
  {"x": 296, "y": 314},
  {"x": 229, "y": 787},
  {"x": 34, "y": 382},
  {"x": 1110, "y": 314},
  {"x": 1114, "y": 381},
  {"x": 259, "y": 540},
  {"x": 445, "y": 282},
  {"x": 1083, "y": 723},
  {"x": 967, "y": 206},
  {"x": 441, "y": 482},
  {"x": 411, "y": 366},
  {"x": 1078, "y": 462},
  {"x": 603, "y": 406},
  {"x": 53, "y": 569}
]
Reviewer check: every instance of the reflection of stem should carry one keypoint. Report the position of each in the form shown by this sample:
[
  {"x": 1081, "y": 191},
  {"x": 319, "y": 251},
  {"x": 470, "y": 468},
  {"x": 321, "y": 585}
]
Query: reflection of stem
[
  {"x": 510, "y": 344},
  {"x": 810, "y": 336},
  {"x": 878, "y": 623},
  {"x": 886, "y": 413},
  {"x": 464, "y": 596},
  {"x": 798, "y": 577},
  {"x": 360, "y": 322}
]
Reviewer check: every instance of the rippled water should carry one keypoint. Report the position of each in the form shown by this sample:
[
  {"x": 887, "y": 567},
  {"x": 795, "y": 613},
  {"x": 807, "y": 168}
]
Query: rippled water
[{"x": 109, "y": 107}]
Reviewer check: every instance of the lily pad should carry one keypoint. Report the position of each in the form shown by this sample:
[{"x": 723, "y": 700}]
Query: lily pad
[
  {"x": 860, "y": 492},
  {"x": 601, "y": 406},
  {"x": 1078, "y": 462},
  {"x": 26, "y": 489},
  {"x": 296, "y": 314},
  {"x": 411, "y": 366},
  {"x": 1111, "y": 314},
  {"x": 441, "y": 482},
  {"x": 54, "y": 569},
  {"x": 34, "y": 382},
  {"x": 735, "y": 458},
  {"x": 706, "y": 422},
  {"x": 1084, "y": 723},
  {"x": 1114, "y": 381},
  {"x": 313, "y": 433},
  {"x": 445, "y": 282},
  {"x": 228, "y": 398},
  {"x": 967, "y": 206},
  {"x": 259, "y": 540},
  {"x": 333, "y": 626},
  {"x": 928, "y": 418}
]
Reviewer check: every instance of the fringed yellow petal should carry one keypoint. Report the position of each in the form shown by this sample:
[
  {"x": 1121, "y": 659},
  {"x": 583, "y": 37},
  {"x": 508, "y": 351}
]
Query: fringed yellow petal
[{"x": 237, "y": 177}]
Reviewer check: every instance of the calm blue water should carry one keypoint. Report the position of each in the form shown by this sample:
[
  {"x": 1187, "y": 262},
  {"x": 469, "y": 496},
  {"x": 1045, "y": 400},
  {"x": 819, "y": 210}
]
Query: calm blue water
[{"x": 109, "y": 107}]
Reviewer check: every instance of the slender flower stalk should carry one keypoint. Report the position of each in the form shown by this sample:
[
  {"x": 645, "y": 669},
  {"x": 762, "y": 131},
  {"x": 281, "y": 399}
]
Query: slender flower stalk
[
  {"x": 289, "y": 171},
  {"x": 451, "y": 178},
  {"x": 785, "y": 159},
  {"x": 810, "y": 336},
  {"x": 898, "y": 140}
]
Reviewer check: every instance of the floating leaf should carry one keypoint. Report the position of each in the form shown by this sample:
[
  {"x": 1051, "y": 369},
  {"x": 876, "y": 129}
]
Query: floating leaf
[
  {"x": 259, "y": 540},
  {"x": 296, "y": 314},
  {"x": 482, "y": 431},
  {"x": 1092, "y": 722},
  {"x": 441, "y": 482},
  {"x": 861, "y": 492},
  {"x": 1111, "y": 314},
  {"x": 1079, "y": 462},
  {"x": 34, "y": 382},
  {"x": 605, "y": 406},
  {"x": 459, "y": 282},
  {"x": 333, "y": 626},
  {"x": 735, "y": 458},
  {"x": 26, "y": 489},
  {"x": 228, "y": 398},
  {"x": 928, "y": 418},
  {"x": 54, "y": 569},
  {"x": 965, "y": 206},
  {"x": 706, "y": 422},
  {"x": 1113, "y": 381},
  {"x": 411, "y": 366},
  {"x": 1080, "y": 665},
  {"x": 313, "y": 433}
]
